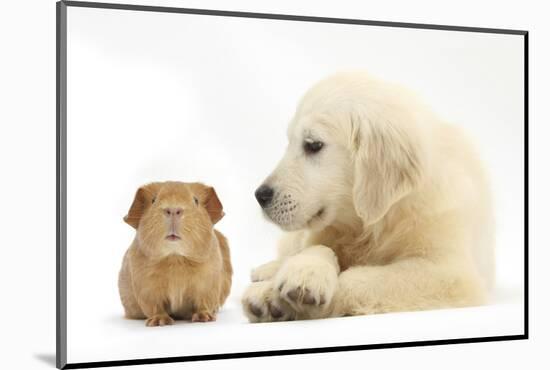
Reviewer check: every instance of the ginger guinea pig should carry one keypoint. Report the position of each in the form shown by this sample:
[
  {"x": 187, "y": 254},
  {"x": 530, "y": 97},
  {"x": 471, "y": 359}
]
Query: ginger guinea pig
[{"x": 178, "y": 266}]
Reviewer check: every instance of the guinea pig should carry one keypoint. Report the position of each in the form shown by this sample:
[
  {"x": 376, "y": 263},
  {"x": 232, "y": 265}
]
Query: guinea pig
[{"x": 178, "y": 266}]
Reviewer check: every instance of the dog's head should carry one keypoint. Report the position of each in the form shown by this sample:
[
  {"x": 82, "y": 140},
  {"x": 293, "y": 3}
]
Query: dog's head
[{"x": 354, "y": 149}]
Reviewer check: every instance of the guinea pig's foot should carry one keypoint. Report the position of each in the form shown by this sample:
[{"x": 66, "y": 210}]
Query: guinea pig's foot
[
  {"x": 261, "y": 304},
  {"x": 203, "y": 316},
  {"x": 159, "y": 320}
]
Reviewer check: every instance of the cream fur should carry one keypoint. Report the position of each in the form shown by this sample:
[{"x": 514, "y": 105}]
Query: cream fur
[{"x": 393, "y": 214}]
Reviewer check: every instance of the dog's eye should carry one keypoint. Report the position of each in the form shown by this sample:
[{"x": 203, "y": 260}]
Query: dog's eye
[
  {"x": 196, "y": 200},
  {"x": 153, "y": 200},
  {"x": 312, "y": 147}
]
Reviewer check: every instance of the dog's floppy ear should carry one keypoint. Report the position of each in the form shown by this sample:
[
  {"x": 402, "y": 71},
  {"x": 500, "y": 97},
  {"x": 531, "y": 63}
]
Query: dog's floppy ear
[
  {"x": 142, "y": 200},
  {"x": 387, "y": 166},
  {"x": 209, "y": 200}
]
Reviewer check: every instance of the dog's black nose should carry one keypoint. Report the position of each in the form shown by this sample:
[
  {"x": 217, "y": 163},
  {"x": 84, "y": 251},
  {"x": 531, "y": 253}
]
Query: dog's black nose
[{"x": 264, "y": 195}]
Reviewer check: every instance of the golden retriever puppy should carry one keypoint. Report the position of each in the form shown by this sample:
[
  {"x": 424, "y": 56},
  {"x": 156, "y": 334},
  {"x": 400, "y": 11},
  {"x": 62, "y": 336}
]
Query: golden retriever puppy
[{"x": 386, "y": 207}]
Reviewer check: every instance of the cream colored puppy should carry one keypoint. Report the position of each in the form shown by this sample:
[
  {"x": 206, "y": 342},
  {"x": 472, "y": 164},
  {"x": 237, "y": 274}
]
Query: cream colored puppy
[{"x": 386, "y": 206}]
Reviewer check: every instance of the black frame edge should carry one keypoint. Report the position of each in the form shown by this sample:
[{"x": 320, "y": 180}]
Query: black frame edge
[
  {"x": 223, "y": 356},
  {"x": 287, "y": 17},
  {"x": 61, "y": 185},
  {"x": 526, "y": 186}
]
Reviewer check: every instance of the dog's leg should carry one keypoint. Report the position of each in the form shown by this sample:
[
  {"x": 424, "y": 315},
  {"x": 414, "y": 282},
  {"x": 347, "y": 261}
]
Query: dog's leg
[
  {"x": 265, "y": 271},
  {"x": 289, "y": 244},
  {"x": 406, "y": 285},
  {"x": 307, "y": 281}
]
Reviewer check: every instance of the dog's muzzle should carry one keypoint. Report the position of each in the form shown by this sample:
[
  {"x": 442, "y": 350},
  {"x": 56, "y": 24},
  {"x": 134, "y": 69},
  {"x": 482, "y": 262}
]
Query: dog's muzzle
[{"x": 264, "y": 195}]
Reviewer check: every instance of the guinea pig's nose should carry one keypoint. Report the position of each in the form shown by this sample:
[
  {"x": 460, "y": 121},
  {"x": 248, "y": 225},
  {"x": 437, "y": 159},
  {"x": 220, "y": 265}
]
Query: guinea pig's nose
[
  {"x": 173, "y": 212},
  {"x": 264, "y": 195}
]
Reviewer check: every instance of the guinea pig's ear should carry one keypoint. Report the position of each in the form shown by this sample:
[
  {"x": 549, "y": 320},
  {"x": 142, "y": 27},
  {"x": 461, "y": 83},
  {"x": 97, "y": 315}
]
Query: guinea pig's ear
[
  {"x": 387, "y": 166},
  {"x": 213, "y": 205},
  {"x": 209, "y": 200},
  {"x": 142, "y": 200}
]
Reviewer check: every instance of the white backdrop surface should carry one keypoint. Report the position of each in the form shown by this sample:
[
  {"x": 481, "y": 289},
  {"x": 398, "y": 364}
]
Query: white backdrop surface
[
  {"x": 155, "y": 96},
  {"x": 27, "y": 152}
]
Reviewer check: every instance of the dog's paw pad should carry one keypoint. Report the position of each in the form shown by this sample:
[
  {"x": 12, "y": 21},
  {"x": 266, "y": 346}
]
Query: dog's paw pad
[
  {"x": 303, "y": 296},
  {"x": 275, "y": 311},
  {"x": 261, "y": 303},
  {"x": 308, "y": 298},
  {"x": 255, "y": 310},
  {"x": 293, "y": 294}
]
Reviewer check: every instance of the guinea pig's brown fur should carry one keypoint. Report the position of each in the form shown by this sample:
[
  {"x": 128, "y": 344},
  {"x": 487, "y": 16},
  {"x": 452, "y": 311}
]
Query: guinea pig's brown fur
[{"x": 178, "y": 266}]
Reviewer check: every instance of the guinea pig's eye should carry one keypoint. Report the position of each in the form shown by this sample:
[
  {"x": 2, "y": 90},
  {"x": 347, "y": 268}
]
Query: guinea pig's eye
[
  {"x": 312, "y": 146},
  {"x": 196, "y": 200}
]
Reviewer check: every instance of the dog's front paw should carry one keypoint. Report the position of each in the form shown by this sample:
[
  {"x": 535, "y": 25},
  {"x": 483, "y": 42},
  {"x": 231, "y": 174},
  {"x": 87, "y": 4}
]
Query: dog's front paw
[
  {"x": 261, "y": 303},
  {"x": 265, "y": 271},
  {"x": 308, "y": 284}
]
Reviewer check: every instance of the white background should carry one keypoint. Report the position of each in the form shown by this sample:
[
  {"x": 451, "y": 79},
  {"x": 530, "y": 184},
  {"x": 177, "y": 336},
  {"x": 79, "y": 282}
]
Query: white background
[
  {"x": 156, "y": 96},
  {"x": 30, "y": 182}
]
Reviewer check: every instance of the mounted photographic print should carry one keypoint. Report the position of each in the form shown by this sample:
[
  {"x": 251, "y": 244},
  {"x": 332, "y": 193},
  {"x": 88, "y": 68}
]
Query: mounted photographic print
[{"x": 241, "y": 184}]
